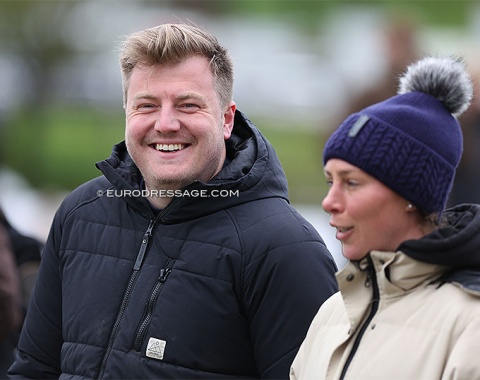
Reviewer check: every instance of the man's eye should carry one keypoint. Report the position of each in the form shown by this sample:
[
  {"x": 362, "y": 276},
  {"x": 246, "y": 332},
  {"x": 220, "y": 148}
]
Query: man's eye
[
  {"x": 189, "y": 106},
  {"x": 144, "y": 106}
]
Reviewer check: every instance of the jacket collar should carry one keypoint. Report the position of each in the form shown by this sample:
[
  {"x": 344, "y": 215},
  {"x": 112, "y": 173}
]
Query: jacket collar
[
  {"x": 455, "y": 244},
  {"x": 395, "y": 274}
]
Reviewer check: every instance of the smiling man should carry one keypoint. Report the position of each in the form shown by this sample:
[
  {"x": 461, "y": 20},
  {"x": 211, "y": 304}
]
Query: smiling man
[
  {"x": 184, "y": 259},
  {"x": 176, "y": 124}
]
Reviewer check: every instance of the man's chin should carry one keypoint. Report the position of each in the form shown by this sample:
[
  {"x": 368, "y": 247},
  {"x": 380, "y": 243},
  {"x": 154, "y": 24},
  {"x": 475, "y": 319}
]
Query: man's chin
[{"x": 168, "y": 183}]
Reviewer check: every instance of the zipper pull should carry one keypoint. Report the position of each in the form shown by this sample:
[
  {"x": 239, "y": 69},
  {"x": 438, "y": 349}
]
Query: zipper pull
[
  {"x": 143, "y": 246},
  {"x": 164, "y": 272}
]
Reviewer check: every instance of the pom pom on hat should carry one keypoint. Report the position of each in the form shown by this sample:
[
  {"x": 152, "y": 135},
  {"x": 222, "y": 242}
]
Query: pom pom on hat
[
  {"x": 411, "y": 142},
  {"x": 444, "y": 78}
]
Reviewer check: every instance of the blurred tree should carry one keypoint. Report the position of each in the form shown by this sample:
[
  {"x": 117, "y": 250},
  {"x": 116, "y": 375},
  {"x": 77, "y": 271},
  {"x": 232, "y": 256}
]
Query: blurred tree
[
  {"x": 307, "y": 14},
  {"x": 33, "y": 32}
]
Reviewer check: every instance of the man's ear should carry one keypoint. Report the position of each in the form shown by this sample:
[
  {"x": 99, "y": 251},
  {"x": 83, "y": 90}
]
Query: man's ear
[{"x": 228, "y": 119}]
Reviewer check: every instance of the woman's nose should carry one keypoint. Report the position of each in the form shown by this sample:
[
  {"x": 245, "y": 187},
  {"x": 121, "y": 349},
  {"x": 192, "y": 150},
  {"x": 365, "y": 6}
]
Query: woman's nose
[{"x": 332, "y": 201}]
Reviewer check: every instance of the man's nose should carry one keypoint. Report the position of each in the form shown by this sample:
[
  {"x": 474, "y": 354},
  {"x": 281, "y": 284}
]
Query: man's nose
[{"x": 166, "y": 120}]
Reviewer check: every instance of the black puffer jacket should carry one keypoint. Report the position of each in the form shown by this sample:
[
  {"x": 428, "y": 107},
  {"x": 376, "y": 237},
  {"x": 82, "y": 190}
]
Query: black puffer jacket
[{"x": 219, "y": 287}]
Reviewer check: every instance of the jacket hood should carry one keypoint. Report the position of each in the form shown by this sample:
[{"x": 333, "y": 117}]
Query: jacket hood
[
  {"x": 457, "y": 244},
  {"x": 251, "y": 171}
]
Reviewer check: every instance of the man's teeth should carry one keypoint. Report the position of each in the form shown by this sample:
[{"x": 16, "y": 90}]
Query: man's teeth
[{"x": 169, "y": 147}]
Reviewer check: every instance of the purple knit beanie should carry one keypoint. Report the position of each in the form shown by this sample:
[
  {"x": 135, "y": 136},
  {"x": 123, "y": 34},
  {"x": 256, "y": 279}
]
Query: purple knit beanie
[{"x": 411, "y": 142}]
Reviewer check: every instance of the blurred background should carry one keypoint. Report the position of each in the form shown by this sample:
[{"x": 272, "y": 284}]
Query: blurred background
[{"x": 300, "y": 68}]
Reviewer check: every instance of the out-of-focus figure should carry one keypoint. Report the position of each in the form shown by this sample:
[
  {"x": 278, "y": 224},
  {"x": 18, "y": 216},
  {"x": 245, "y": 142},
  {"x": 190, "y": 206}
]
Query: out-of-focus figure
[
  {"x": 466, "y": 187},
  {"x": 19, "y": 261},
  {"x": 10, "y": 305},
  {"x": 401, "y": 46}
]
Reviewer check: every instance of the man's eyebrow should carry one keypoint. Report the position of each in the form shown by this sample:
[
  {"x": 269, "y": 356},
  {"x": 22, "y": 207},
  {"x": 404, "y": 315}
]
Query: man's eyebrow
[
  {"x": 190, "y": 95},
  {"x": 143, "y": 95}
]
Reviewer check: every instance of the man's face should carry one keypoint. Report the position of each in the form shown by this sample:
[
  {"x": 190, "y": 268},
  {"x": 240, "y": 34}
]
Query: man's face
[{"x": 175, "y": 126}]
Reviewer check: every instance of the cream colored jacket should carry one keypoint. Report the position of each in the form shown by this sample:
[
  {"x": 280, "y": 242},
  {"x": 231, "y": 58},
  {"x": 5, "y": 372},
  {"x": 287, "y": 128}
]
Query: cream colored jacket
[{"x": 417, "y": 329}]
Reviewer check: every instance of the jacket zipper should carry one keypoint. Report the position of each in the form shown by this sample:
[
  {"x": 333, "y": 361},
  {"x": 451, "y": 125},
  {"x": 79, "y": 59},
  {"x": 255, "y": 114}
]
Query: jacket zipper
[
  {"x": 373, "y": 311},
  {"x": 164, "y": 272},
  {"x": 126, "y": 296}
]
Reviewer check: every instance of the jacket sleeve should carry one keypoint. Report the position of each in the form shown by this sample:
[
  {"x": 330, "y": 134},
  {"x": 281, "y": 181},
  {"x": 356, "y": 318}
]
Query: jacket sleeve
[
  {"x": 284, "y": 288},
  {"x": 38, "y": 354},
  {"x": 10, "y": 304},
  {"x": 462, "y": 363}
]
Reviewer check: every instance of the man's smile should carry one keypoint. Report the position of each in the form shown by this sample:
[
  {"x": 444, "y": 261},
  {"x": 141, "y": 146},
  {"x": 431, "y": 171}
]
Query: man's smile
[{"x": 169, "y": 147}]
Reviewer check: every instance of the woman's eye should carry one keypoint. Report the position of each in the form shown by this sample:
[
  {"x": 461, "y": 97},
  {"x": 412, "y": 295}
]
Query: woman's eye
[{"x": 351, "y": 183}]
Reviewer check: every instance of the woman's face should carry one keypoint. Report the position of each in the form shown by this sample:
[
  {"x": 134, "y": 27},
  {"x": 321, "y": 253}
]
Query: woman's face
[{"x": 367, "y": 214}]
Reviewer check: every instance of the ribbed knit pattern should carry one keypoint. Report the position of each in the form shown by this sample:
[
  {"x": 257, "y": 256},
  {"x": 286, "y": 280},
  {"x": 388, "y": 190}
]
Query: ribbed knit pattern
[{"x": 411, "y": 143}]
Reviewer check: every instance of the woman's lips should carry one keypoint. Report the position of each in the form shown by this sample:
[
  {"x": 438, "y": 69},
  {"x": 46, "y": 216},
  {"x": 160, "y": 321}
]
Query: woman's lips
[{"x": 343, "y": 233}]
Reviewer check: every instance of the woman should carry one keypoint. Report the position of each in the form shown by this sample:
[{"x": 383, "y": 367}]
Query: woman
[{"x": 409, "y": 300}]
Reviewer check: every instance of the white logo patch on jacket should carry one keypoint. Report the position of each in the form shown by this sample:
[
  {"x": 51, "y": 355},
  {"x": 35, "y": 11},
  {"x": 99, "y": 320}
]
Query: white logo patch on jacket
[{"x": 155, "y": 348}]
